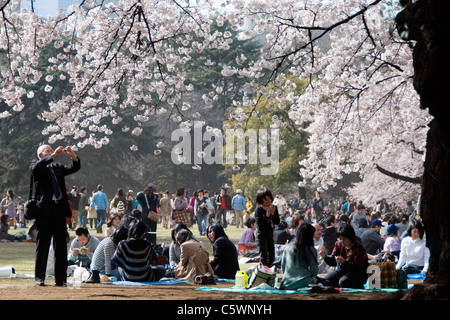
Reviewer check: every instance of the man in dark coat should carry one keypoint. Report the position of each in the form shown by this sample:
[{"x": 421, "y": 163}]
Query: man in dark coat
[{"x": 54, "y": 209}]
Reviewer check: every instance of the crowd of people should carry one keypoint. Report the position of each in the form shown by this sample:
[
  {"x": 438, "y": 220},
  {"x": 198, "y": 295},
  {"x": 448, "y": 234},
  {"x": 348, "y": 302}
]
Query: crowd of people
[{"x": 309, "y": 241}]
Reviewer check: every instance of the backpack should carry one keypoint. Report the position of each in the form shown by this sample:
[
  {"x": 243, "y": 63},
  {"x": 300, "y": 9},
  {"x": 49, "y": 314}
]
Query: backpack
[
  {"x": 318, "y": 204},
  {"x": 202, "y": 210},
  {"x": 120, "y": 207}
]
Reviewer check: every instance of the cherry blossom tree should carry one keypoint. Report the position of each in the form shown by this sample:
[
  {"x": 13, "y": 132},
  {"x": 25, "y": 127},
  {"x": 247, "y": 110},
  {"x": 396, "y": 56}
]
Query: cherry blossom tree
[{"x": 360, "y": 107}]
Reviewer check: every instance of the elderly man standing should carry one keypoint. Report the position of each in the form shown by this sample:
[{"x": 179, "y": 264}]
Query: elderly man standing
[{"x": 54, "y": 208}]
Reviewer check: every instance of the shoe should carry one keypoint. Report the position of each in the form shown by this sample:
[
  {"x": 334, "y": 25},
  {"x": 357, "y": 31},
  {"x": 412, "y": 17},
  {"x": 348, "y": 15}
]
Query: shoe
[
  {"x": 94, "y": 277},
  {"x": 40, "y": 283},
  {"x": 60, "y": 284}
]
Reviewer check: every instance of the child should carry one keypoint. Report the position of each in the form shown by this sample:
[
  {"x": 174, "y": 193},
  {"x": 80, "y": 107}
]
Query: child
[
  {"x": 266, "y": 215},
  {"x": 247, "y": 241}
]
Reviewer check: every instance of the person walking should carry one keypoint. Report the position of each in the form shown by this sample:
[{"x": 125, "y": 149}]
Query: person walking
[
  {"x": 223, "y": 205},
  {"x": 100, "y": 203},
  {"x": 239, "y": 206},
  {"x": 83, "y": 206},
  {"x": 54, "y": 207}
]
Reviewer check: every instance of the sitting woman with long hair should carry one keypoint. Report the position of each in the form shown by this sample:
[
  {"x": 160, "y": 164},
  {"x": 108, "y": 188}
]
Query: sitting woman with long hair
[
  {"x": 225, "y": 263},
  {"x": 299, "y": 261}
]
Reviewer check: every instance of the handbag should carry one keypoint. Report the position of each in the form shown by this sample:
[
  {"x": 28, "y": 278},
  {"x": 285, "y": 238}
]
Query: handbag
[
  {"x": 152, "y": 215},
  {"x": 31, "y": 208},
  {"x": 262, "y": 274},
  {"x": 388, "y": 274},
  {"x": 181, "y": 216}
]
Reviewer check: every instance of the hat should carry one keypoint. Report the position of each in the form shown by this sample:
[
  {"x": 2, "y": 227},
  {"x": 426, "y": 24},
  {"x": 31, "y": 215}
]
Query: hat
[
  {"x": 392, "y": 228},
  {"x": 376, "y": 222},
  {"x": 238, "y": 191}
]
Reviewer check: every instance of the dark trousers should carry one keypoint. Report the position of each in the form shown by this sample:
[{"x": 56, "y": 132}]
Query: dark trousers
[
  {"x": 221, "y": 217},
  {"x": 266, "y": 249},
  {"x": 345, "y": 280},
  {"x": 152, "y": 228},
  {"x": 51, "y": 224}
]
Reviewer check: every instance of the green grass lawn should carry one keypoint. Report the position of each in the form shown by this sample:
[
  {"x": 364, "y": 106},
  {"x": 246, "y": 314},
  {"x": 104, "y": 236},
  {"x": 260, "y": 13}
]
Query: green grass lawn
[{"x": 20, "y": 255}]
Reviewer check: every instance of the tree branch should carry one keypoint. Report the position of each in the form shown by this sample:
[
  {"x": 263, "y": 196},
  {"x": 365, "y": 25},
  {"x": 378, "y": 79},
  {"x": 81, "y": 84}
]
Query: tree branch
[{"x": 416, "y": 180}]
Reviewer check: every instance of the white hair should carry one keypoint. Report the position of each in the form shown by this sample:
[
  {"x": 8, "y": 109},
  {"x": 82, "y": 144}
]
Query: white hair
[{"x": 41, "y": 149}]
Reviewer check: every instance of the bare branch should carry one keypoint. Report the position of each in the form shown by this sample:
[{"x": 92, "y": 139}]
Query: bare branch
[{"x": 416, "y": 180}]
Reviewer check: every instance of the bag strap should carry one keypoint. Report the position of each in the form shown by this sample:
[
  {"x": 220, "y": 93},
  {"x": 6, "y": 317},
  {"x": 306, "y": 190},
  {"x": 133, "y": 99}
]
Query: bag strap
[{"x": 146, "y": 200}]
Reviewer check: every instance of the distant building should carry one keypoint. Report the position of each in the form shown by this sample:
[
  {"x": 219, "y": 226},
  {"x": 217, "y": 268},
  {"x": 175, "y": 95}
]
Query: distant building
[{"x": 46, "y": 8}]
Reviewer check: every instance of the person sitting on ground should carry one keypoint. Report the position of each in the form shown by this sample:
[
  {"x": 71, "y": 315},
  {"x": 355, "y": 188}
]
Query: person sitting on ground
[
  {"x": 247, "y": 241},
  {"x": 102, "y": 259},
  {"x": 282, "y": 234},
  {"x": 371, "y": 239},
  {"x": 299, "y": 261},
  {"x": 174, "y": 249},
  {"x": 225, "y": 263},
  {"x": 393, "y": 241},
  {"x": 194, "y": 259},
  {"x": 82, "y": 248},
  {"x": 414, "y": 253},
  {"x": 362, "y": 226},
  {"x": 329, "y": 234},
  {"x": 112, "y": 224},
  {"x": 4, "y": 227},
  {"x": 350, "y": 259},
  {"x": 134, "y": 257}
]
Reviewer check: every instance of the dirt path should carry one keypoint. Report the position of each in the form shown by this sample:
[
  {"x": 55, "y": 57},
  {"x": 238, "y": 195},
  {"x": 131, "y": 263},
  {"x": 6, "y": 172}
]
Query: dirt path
[{"x": 25, "y": 289}]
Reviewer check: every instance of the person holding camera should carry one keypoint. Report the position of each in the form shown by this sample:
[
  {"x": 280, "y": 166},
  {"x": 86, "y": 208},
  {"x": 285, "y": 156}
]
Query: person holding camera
[
  {"x": 149, "y": 201},
  {"x": 54, "y": 208}
]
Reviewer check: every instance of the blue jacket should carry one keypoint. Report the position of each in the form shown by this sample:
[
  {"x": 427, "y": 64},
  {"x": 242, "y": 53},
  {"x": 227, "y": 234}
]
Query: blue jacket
[
  {"x": 99, "y": 201},
  {"x": 238, "y": 202}
]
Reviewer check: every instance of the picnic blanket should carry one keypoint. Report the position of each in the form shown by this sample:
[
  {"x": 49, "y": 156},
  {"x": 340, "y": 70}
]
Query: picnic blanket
[
  {"x": 265, "y": 288},
  {"x": 164, "y": 281},
  {"x": 155, "y": 283},
  {"x": 262, "y": 288},
  {"x": 419, "y": 276}
]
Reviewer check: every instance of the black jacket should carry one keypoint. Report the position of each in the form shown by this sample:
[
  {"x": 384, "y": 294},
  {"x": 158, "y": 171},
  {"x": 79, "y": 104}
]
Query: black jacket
[
  {"x": 43, "y": 181},
  {"x": 329, "y": 239},
  {"x": 266, "y": 224},
  {"x": 225, "y": 263}
]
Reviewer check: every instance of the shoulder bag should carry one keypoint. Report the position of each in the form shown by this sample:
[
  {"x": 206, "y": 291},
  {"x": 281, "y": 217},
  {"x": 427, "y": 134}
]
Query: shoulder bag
[
  {"x": 152, "y": 215},
  {"x": 31, "y": 208}
]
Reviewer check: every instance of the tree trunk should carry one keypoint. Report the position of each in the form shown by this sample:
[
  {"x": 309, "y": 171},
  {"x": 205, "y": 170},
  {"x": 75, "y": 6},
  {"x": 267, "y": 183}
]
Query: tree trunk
[
  {"x": 435, "y": 213},
  {"x": 427, "y": 23}
]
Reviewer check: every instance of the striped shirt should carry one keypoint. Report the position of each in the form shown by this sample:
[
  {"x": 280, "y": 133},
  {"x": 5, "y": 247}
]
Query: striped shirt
[
  {"x": 103, "y": 254},
  {"x": 134, "y": 258}
]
